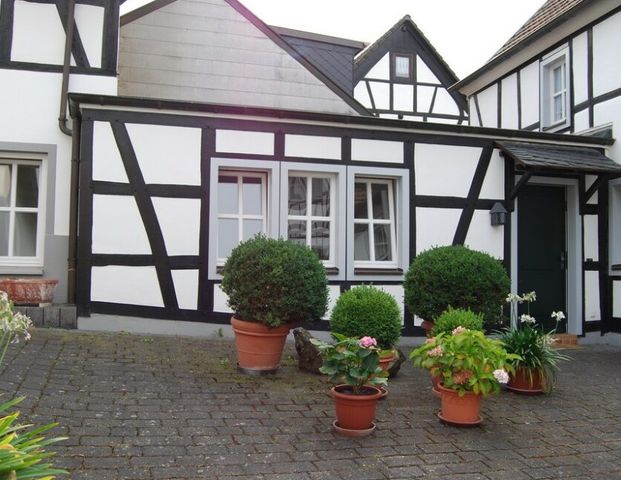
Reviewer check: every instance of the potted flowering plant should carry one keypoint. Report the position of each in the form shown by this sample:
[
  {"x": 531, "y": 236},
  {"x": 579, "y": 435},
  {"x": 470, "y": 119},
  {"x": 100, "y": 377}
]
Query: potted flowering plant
[
  {"x": 536, "y": 368},
  {"x": 470, "y": 366},
  {"x": 354, "y": 364}
]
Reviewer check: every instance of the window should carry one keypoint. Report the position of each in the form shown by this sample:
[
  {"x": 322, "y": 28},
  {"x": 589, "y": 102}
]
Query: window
[
  {"x": 374, "y": 223},
  {"x": 554, "y": 91},
  {"x": 402, "y": 67},
  {"x": 311, "y": 213},
  {"x": 242, "y": 206},
  {"x": 22, "y": 216}
]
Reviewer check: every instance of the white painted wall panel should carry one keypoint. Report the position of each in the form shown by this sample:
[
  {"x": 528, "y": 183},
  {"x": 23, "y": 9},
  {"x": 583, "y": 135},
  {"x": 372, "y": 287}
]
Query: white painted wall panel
[
  {"x": 615, "y": 223},
  {"x": 509, "y": 102},
  {"x": 168, "y": 155},
  {"x": 49, "y": 45},
  {"x": 89, "y": 20},
  {"x": 424, "y": 95},
  {"x": 529, "y": 81},
  {"x": 445, "y": 170},
  {"x": 473, "y": 119},
  {"x": 590, "y": 237},
  {"x": 128, "y": 285},
  {"x": 403, "y": 97},
  {"x": 107, "y": 163},
  {"x": 220, "y": 300},
  {"x": 334, "y": 292},
  {"x": 581, "y": 121},
  {"x": 312, "y": 146},
  {"x": 588, "y": 182},
  {"x": 362, "y": 94},
  {"x": 117, "y": 226},
  {"x": 606, "y": 65},
  {"x": 381, "y": 94},
  {"x": 435, "y": 227},
  {"x": 381, "y": 70},
  {"x": 376, "y": 151},
  {"x": 488, "y": 104},
  {"x": 444, "y": 103},
  {"x": 179, "y": 219},
  {"x": 483, "y": 237},
  {"x": 591, "y": 296},
  {"x": 580, "y": 59},
  {"x": 616, "y": 296},
  {"x": 237, "y": 141},
  {"x": 424, "y": 73},
  {"x": 397, "y": 292},
  {"x": 494, "y": 183},
  {"x": 610, "y": 111},
  {"x": 186, "y": 288}
]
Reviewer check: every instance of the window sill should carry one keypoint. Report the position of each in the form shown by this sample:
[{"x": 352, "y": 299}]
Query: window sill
[
  {"x": 330, "y": 271},
  {"x": 378, "y": 271},
  {"x": 555, "y": 127},
  {"x": 20, "y": 270}
]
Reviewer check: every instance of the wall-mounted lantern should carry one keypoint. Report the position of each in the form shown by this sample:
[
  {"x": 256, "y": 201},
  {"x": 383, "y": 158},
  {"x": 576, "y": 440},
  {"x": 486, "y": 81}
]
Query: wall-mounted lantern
[{"x": 498, "y": 214}]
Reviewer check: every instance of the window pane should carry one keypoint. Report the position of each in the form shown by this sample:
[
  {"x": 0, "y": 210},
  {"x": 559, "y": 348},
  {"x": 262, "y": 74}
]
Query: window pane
[
  {"x": 383, "y": 249},
  {"x": 297, "y": 231},
  {"x": 5, "y": 185},
  {"x": 297, "y": 196},
  {"x": 252, "y": 196},
  {"x": 320, "y": 239},
  {"x": 251, "y": 228},
  {"x": 228, "y": 236},
  {"x": 27, "y": 186},
  {"x": 558, "y": 82},
  {"x": 361, "y": 242},
  {"x": 227, "y": 194},
  {"x": 360, "y": 201},
  {"x": 379, "y": 191},
  {"x": 559, "y": 108},
  {"x": 402, "y": 67},
  {"x": 25, "y": 240},
  {"x": 321, "y": 197},
  {"x": 4, "y": 233}
]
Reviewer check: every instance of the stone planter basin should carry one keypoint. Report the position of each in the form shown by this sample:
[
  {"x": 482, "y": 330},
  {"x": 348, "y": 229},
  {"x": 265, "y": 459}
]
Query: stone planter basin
[{"x": 29, "y": 291}]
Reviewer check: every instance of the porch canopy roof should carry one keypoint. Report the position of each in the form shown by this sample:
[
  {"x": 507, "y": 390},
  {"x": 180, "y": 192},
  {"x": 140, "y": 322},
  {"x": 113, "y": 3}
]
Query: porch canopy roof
[{"x": 545, "y": 156}]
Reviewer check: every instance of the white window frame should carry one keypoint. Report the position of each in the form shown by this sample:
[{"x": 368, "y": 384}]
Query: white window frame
[
  {"x": 615, "y": 225},
  {"x": 15, "y": 159},
  {"x": 548, "y": 65},
  {"x": 395, "y": 71},
  {"x": 309, "y": 217}
]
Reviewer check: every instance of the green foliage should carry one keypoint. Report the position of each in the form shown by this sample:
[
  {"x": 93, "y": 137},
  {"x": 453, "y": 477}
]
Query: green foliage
[
  {"x": 349, "y": 361},
  {"x": 534, "y": 347},
  {"x": 367, "y": 311},
  {"x": 275, "y": 282},
  {"x": 466, "y": 361},
  {"x": 458, "y": 277},
  {"x": 22, "y": 453},
  {"x": 452, "y": 318}
]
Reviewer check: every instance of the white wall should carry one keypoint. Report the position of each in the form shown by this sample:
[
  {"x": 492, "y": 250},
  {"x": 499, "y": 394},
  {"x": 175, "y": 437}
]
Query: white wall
[
  {"x": 488, "y": 105},
  {"x": 509, "y": 102},
  {"x": 444, "y": 170},
  {"x": 529, "y": 89}
]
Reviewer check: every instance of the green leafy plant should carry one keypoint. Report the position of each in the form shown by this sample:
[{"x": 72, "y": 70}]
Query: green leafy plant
[
  {"x": 452, "y": 318},
  {"x": 353, "y": 361},
  {"x": 458, "y": 277},
  {"x": 367, "y": 311},
  {"x": 466, "y": 361},
  {"x": 274, "y": 282}
]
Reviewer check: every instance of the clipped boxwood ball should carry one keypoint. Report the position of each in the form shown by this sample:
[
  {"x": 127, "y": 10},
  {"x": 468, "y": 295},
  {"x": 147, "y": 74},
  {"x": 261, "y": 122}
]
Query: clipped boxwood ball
[
  {"x": 452, "y": 318},
  {"x": 274, "y": 282},
  {"x": 367, "y": 311},
  {"x": 458, "y": 277}
]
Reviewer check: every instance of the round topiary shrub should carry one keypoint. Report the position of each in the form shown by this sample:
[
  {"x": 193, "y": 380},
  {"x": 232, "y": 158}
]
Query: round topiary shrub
[
  {"x": 452, "y": 318},
  {"x": 458, "y": 277},
  {"x": 367, "y": 311},
  {"x": 275, "y": 282}
]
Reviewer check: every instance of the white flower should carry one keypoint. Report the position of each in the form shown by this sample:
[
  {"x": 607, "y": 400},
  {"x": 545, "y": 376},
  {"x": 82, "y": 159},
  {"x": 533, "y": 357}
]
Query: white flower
[
  {"x": 513, "y": 298},
  {"x": 558, "y": 316},
  {"x": 527, "y": 319},
  {"x": 501, "y": 375},
  {"x": 530, "y": 296}
]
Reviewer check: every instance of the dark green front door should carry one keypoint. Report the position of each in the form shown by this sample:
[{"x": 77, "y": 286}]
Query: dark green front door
[{"x": 542, "y": 252}]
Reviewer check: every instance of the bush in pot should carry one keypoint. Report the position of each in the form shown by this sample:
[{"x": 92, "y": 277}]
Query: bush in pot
[
  {"x": 458, "y": 277},
  {"x": 272, "y": 284},
  {"x": 452, "y": 318}
]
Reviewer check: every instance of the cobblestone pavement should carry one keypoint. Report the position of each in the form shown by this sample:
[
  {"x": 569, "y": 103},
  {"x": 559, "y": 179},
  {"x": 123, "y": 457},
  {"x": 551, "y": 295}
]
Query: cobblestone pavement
[{"x": 139, "y": 407}]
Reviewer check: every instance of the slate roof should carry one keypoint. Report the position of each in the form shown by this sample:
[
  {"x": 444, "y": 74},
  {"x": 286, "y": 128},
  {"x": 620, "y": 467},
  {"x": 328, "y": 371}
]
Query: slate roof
[{"x": 559, "y": 157}]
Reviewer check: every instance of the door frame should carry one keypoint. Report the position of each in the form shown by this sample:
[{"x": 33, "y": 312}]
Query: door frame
[{"x": 573, "y": 224}]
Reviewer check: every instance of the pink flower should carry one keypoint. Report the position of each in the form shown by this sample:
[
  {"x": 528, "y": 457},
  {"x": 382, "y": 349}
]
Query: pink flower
[
  {"x": 501, "y": 375},
  {"x": 366, "y": 342},
  {"x": 430, "y": 340},
  {"x": 436, "y": 352},
  {"x": 459, "y": 330},
  {"x": 460, "y": 378}
]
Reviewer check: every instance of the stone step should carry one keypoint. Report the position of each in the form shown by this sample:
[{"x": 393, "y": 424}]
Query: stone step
[{"x": 51, "y": 316}]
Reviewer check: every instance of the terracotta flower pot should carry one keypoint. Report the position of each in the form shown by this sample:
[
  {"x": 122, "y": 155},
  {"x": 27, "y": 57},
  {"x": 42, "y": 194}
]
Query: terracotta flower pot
[
  {"x": 259, "y": 348},
  {"x": 386, "y": 360},
  {"x": 460, "y": 411},
  {"x": 355, "y": 412},
  {"x": 435, "y": 382},
  {"x": 527, "y": 384},
  {"x": 29, "y": 291}
]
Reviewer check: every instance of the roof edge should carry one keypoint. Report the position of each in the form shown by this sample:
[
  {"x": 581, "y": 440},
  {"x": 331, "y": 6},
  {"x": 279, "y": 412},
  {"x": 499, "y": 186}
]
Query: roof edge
[
  {"x": 144, "y": 10},
  {"x": 318, "y": 37}
]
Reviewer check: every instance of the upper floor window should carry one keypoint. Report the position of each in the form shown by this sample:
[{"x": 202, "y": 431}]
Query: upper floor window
[
  {"x": 402, "y": 67},
  {"x": 555, "y": 91}
]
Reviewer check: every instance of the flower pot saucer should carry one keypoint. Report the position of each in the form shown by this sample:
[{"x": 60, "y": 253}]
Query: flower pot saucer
[
  {"x": 525, "y": 391},
  {"x": 460, "y": 424},
  {"x": 346, "y": 432}
]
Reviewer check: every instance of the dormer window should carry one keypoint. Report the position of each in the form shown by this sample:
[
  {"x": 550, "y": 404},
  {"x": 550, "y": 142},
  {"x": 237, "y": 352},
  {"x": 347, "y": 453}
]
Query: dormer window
[
  {"x": 402, "y": 67},
  {"x": 554, "y": 91}
]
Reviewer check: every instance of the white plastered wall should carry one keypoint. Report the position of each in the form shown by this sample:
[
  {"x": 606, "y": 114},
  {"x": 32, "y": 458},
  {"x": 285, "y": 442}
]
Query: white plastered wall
[
  {"x": 488, "y": 106},
  {"x": 509, "y": 107},
  {"x": 529, "y": 89}
]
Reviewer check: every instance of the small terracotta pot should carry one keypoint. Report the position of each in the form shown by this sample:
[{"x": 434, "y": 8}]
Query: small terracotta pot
[
  {"x": 29, "y": 291},
  {"x": 259, "y": 348},
  {"x": 385, "y": 361},
  {"x": 458, "y": 410},
  {"x": 526, "y": 383},
  {"x": 355, "y": 412}
]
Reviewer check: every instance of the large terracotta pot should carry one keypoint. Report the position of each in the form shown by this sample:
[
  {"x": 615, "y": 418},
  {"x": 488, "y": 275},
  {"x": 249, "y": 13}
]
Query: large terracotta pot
[
  {"x": 29, "y": 291},
  {"x": 461, "y": 411},
  {"x": 355, "y": 412},
  {"x": 259, "y": 348},
  {"x": 435, "y": 381},
  {"x": 526, "y": 383}
]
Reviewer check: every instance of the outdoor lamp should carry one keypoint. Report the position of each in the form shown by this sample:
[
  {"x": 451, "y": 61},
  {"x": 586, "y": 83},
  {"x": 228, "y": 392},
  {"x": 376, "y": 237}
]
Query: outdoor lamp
[{"x": 498, "y": 214}]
